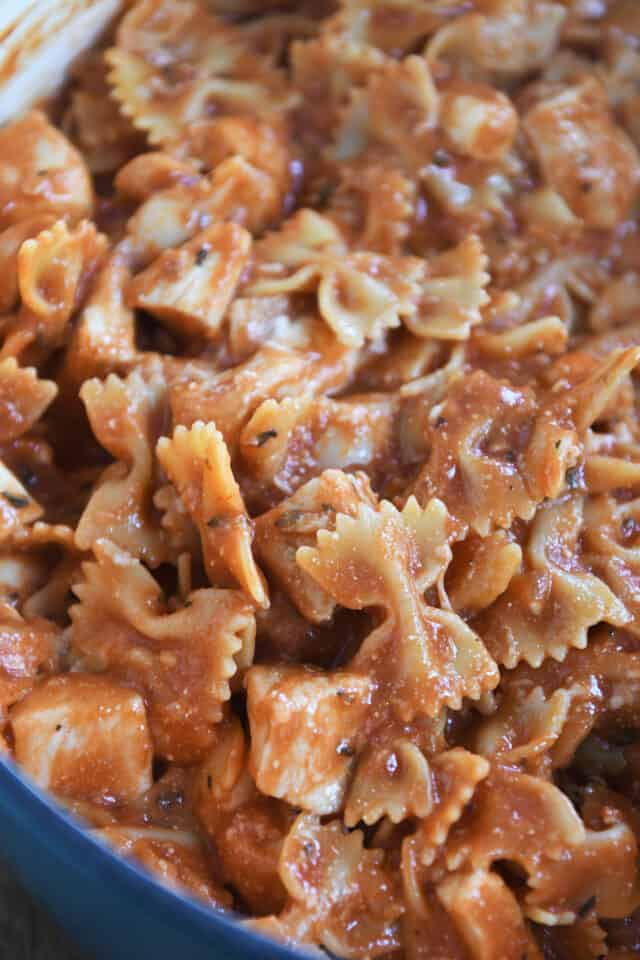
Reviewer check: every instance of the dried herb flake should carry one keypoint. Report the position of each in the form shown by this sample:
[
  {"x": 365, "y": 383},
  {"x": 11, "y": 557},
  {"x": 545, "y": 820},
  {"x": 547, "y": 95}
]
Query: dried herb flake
[
  {"x": 15, "y": 501},
  {"x": 587, "y": 906},
  {"x": 262, "y": 438}
]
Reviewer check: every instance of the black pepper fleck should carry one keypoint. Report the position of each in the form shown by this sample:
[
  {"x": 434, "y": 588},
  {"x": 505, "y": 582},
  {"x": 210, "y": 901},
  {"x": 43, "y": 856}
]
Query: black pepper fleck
[
  {"x": 262, "y": 438},
  {"x": 441, "y": 158},
  {"x": 15, "y": 501},
  {"x": 587, "y": 906}
]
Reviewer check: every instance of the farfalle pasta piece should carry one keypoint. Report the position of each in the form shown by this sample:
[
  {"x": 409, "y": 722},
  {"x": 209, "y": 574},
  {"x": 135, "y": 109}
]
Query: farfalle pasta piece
[
  {"x": 340, "y": 894},
  {"x": 126, "y": 416},
  {"x": 182, "y": 661},
  {"x": 21, "y": 573},
  {"x": 597, "y": 690},
  {"x": 392, "y": 26},
  {"x": 256, "y": 321},
  {"x": 286, "y": 442},
  {"x": 53, "y": 267},
  {"x": 481, "y": 570},
  {"x": 584, "y": 155},
  {"x": 23, "y": 399},
  {"x": 515, "y": 817},
  {"x": 603, "y": 865},
  {"x": 173, "y": 214},
  {"x": 403, "y": 106},
  {"x": 42, "y": 534},
  {"x": 550, "y": 606},
  {"x": 248, "y": 194},
  {"x": 545, "y": 208},
  {"x": 427, "y": 928},
  {"x": 452, "y": 293},
  {"x": 584, "y": 938},
  {"x": 495, "y": 453},
  {"x": 617, "y": 304},
  {"x": 395, "y": 779},
  {"x": 230, "y": 397},
  {"x": 190, "y": 288},
  {"x": 271, "y": 35},
  {"x": 94, "y": 122},
  {"x": 152, "y": 172},
  {"x": 51, "y": 598},
  {"x": 359, "y": 295},
  {"x": 392, "y": 780},
  {"x": 180, "y": 530},
  {"x": 41, "y": 173},
  {"x": 620, "y": 76},
  {"x": 11, "y": 239},
  {"x": 84, "y": 737},
  {"x": 295, "y": 522},
  {"x": 262, "y": 142},
  {"x": 525, "y": 728},
  {"x": 168, "y": 218},
  {"x": 306, "y": 727},
  {"x": 325, "y": 71},
  {"x": 246, "y": 828},
  {"x": 595, "y": 395},
  {"x": 381, "y": 201},
  {"x": 54, "y": 271},
  {"x": 547, "y": 335},
  {"x": 610, "y": 533},
  {"x": 174, "y": 64},
  {"x": 176, "y": 857},
  {"x": 475, "y": 206},
  {"x": 455, "y": 776},
  {"x": 377, "y": 558},
  {"x": 488, "y": 917},
  {"x": 197, "y": 463},
  {"x": 102, "y": 340}
]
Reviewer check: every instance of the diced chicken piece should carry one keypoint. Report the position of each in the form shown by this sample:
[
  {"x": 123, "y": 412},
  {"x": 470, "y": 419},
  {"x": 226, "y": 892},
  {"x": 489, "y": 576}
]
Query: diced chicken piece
[
  {"x": 295, "y": 523},
  {"x": 584, "y": 155},
  {"x": 84, "y": 737},
  {"x": 305, "y": 729},
  {"x": 41, "y": 173},
  {"x": 478, "y": 121},
  {"x": 191, "y": 287}
]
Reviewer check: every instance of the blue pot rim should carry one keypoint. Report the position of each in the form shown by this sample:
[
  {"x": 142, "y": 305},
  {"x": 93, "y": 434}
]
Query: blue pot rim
[{"x": 75, "y": 843}]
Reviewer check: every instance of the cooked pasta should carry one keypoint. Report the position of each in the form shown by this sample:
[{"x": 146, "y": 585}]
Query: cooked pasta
[{"x": 320, "y": 466}]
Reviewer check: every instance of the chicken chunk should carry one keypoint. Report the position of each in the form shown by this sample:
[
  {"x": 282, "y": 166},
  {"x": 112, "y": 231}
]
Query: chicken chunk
[{"x": 84, "y": 737}]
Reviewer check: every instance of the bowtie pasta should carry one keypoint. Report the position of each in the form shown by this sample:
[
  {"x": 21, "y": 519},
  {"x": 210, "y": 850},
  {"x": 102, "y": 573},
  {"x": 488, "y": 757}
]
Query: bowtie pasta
[{"x": 320, "y": 466}]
